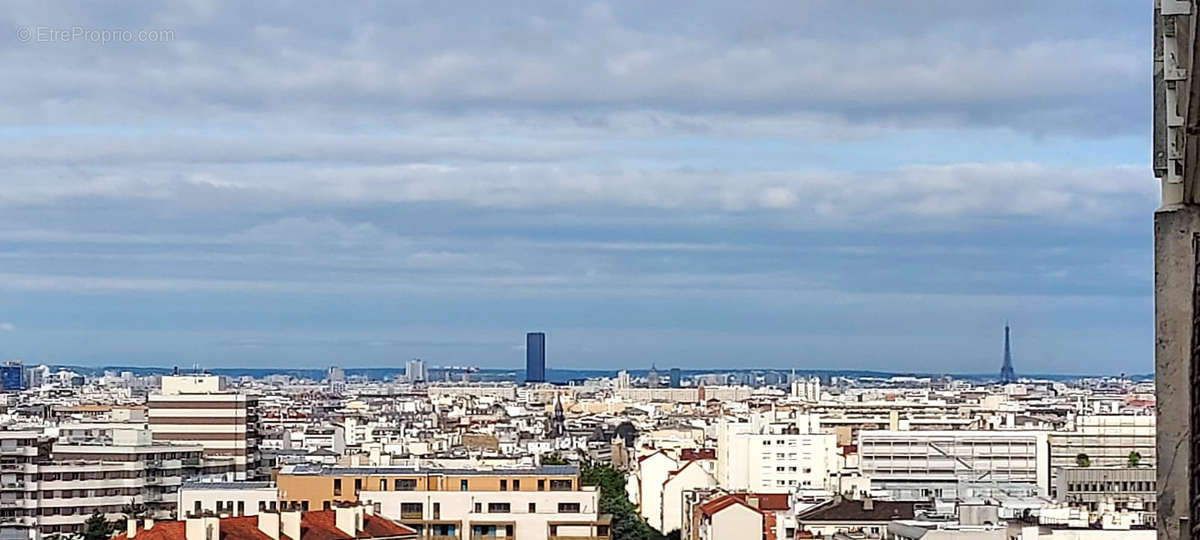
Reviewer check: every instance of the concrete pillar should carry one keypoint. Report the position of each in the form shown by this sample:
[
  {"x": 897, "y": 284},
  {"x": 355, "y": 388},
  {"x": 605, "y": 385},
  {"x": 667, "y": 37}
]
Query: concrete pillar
[{"x": 1176, "y": 230}]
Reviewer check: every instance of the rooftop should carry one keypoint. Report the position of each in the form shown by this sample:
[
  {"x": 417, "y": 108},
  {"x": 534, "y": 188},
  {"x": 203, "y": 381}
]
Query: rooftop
[
  {"x": 312, "y": 469},
  {"x": 841, "y": 509},
  {"x": 227, "y": 485},
  {"x": 315, "y": 525}
]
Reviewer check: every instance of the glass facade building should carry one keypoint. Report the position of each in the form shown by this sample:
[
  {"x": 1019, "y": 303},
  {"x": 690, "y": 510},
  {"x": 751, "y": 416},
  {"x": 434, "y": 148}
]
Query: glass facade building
[{"x": 535, "y": 357}]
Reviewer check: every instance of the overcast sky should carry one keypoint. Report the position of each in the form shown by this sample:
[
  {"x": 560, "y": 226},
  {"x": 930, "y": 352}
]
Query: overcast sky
[{"x": 808, "y": 184}]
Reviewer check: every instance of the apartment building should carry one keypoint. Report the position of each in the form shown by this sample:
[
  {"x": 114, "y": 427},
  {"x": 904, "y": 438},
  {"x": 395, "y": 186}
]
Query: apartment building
[
  {"x": 198, "y": 409},
  {"x": 775, "y": 457},
  {"x": 661, "y": 477},
  {"x": 227, "y": 498},
  {"x": 1103, "y": 441},
  {"x": 516, "y": 502},
  {"x": 48, "y": 488},
  {"x": 928, "y": 465},
  {"x": 1129, "y": 489}
]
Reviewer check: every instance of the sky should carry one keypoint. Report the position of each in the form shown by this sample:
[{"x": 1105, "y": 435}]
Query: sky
[{"x": 702, "y": 184}]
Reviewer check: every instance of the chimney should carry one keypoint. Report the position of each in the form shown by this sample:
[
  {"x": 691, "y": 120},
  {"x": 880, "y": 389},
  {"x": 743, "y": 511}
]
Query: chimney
[
  {"x": 268, "y": 523},
  {"x": 289, "y": 523},
  {"x": 131, "y": 527},
  {"x": 149, "y": 523},
  {"x": 202, "y": 527},
  {"x": 344, "y": 517}
]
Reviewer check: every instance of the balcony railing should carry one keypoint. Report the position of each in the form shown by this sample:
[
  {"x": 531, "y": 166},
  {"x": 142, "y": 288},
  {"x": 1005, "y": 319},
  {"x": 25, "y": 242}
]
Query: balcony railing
[{"x": 18, "y": 520}]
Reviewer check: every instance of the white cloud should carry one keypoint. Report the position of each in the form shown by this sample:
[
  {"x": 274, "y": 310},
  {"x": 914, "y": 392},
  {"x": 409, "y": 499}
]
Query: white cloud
[
  {"x": 1055, "y": 193},
  {"x": 7, "y": 327}
]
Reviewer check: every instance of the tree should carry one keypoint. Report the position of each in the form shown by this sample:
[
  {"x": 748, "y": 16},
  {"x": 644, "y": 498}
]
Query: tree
[
  {"x": 97, "y": 528},
  {"x": 554, "y": 459},
  {"x": 1135, "y": 457},
  {"x": 627, "y": 524},
  {"x": 1083, "y": 460}
]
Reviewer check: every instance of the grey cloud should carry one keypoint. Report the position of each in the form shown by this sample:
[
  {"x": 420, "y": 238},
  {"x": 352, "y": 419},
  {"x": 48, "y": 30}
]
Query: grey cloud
[{"x": 956, "y": 65}]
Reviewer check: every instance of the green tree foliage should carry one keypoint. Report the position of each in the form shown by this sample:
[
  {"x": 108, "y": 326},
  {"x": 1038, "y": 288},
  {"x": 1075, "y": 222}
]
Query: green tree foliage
[
  {"x": 1135, "y": 457},
  {"x": 627, "y": 524},
  {"x": 554, "y": 459},
  {"x": 1083, "y": 460},
  {"x": 97, "y": 528}
]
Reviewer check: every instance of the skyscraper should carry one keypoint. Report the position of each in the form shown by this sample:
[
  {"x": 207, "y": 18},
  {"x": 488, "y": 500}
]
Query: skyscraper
[
  {"x": 535, "y": 357},
  {"x": 676, "y": 378},
  {"x": 415, "y": 371},
  {"x": 1006, "y": 371},
  {"x": 12, "y": 376}
]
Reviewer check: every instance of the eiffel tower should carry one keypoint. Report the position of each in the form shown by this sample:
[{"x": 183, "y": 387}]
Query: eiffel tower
[{"x": 1006, "y": 371}]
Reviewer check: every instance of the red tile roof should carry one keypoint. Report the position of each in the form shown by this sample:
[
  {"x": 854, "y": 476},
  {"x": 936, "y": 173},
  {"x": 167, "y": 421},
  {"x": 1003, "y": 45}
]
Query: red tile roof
[
  {"x": 315, "y": 525},
  {"x": 689, "y": 454},
  {"x": 720, "y": 503}
]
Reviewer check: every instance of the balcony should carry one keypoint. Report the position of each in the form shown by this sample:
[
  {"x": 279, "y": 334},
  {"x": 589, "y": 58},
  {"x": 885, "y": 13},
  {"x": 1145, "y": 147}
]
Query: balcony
[
  {"x": 20, "y": 521},
  {"x": 412, "y": 514},
  {"x": 154, "y": 480},
  {"x": 18, "y": 485}
]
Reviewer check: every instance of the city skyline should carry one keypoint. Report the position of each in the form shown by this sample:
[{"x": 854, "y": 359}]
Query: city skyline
[{"x": 645, "y": 184}]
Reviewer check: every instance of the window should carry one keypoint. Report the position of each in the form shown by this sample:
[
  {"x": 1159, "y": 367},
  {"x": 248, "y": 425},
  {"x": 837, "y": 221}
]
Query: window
[
  {"x": 478, "y": 508},
  {"x": 437, "y": 511},
  {"x": 516, "y": 485},
  {"x": 532, "y": 508},
  {"x": 411, "y": 510},
  {"x": 241, "y": 508},
  {"x": 560, "y": 485},
  {"x": 568, "y": 508},
  {"x": 197, "y": 509},
  {"x": 499, "y": 508},
  {"x": 405, "y": 484},
  {"x": 541, "y": 485},
  {"x": 326, "y": 505},
  {"x": 503, "y": 485},
  {"x": 462, "y": 486},
  {"x": 357, "y": 485},
  {"x": 337, "y": 487},
  {"x": 383, "y": 484},
  {"x": 304, "y": 506}
]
